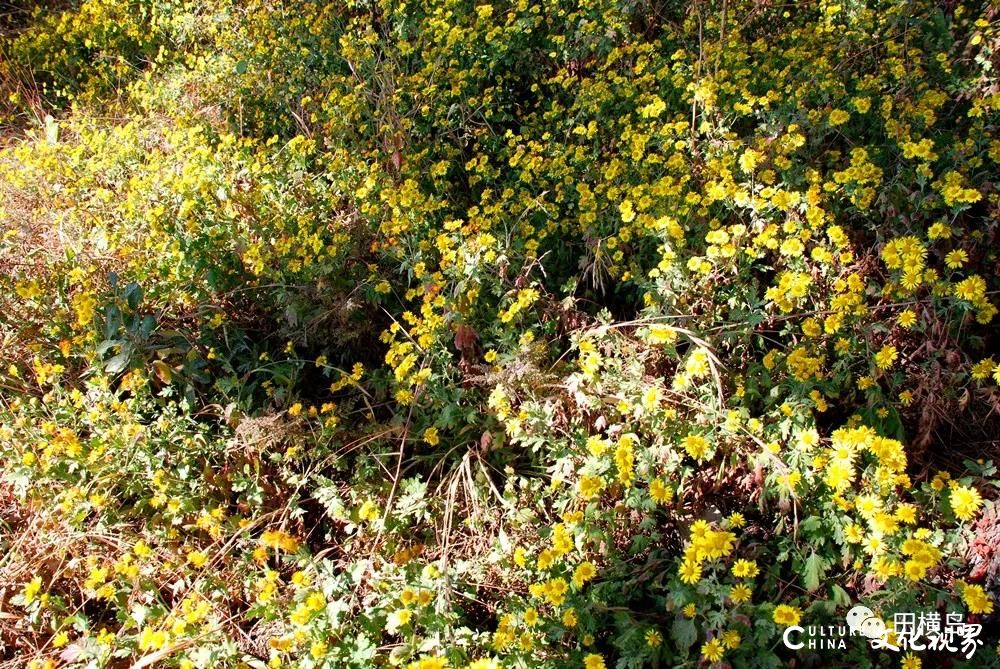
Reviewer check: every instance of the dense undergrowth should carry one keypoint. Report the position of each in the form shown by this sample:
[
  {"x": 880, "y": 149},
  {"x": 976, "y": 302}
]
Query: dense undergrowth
[{"x": 573, "y": 334}]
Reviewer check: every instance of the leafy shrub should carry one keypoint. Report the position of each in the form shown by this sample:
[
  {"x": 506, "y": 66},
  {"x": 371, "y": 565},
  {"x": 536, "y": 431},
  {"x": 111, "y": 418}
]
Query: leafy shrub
[{"x": 591, "y": 334}]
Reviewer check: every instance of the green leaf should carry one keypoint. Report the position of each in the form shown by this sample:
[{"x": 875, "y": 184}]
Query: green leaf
[
  {"x": 364, "y": 650},
  {"x": 147, "y": 326},
  {"x": 811, "y": 525},
  {"x": 684, "y": 633},
  {"x": 107, "y": 345},
  {"x": 839, "y": 596},
  {"x": 112, "y": 322},
  {"x": 813, "y": 572},
  {"x": 118, "y": 363},
  {"x": 133, "y": 295}
]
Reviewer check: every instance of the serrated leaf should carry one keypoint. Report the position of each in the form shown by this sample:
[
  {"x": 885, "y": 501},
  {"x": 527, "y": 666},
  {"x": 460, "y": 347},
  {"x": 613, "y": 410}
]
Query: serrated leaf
[
  {"x": 363, "y": 650},
  {"x": 813, "y": 572},
  {"x": 839, "y": 596},
  {"x": 810, "y": 524}
]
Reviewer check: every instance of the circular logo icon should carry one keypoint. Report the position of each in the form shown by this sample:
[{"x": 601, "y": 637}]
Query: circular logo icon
[{"x": 861, "y": 620}]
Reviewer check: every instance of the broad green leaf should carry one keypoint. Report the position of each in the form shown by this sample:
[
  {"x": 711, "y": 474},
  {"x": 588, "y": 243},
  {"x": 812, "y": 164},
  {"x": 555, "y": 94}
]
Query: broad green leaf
[
  {"x": 684, "y": 633},
  {"x": 813, "y": 572}
]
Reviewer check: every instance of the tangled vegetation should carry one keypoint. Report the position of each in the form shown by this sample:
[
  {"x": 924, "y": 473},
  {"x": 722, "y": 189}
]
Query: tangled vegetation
[{"x": 586, "y": 333}]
